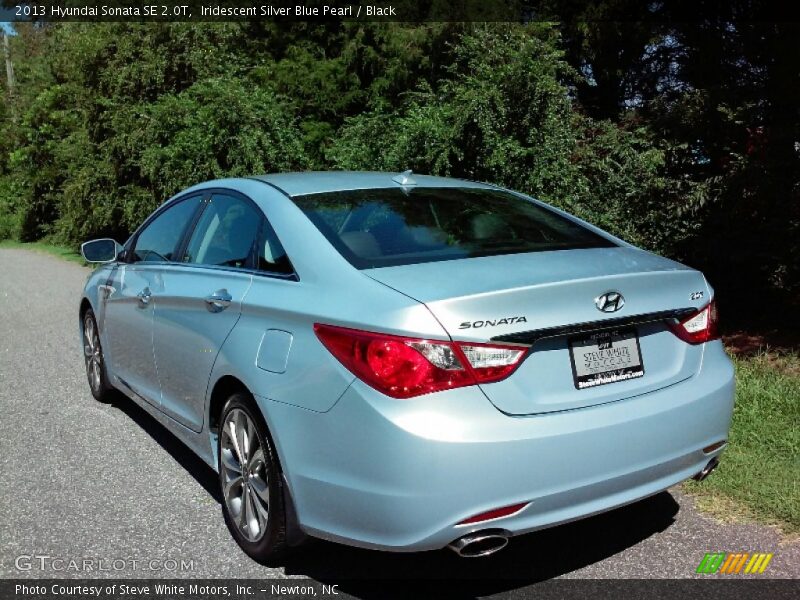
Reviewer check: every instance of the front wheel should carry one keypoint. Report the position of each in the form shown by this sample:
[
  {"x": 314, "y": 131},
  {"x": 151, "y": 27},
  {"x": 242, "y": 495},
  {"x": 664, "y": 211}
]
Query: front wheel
[
  {"x": 250, "y": 480},
  {"x": 93, "y": 356}
]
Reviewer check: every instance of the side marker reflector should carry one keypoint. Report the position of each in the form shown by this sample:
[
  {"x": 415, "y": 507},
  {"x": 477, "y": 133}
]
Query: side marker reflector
[{"x": 495, "y": 513}]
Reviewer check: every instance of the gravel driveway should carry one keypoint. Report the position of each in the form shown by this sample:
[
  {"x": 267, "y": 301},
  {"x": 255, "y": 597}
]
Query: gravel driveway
[{"x": 104, "y": 482}]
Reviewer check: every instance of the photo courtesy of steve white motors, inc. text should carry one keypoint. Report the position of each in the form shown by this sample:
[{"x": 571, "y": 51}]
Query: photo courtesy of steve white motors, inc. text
[{"x": 212, "y": 590}]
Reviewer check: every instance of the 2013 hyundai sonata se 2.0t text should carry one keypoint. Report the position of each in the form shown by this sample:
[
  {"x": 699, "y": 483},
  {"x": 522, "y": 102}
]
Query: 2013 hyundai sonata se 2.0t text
[{"x": 406, "y": 362}]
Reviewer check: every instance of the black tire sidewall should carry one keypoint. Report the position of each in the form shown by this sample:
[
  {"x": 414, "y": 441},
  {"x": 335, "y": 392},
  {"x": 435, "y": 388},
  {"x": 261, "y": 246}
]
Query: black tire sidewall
[
  {"x": 272, "y": 544},
  {"x": 102, "y": 393}
]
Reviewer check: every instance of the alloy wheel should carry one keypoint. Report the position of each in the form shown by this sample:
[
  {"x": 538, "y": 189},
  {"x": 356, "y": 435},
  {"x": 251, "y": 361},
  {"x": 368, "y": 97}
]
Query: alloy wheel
[
  {"x": 93, "y": 354},
  {"x": 245, "y": 475}
]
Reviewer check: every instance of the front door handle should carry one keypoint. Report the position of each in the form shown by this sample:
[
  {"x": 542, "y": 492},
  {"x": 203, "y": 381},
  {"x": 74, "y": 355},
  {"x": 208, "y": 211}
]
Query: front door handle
[
  {"x": 218, "y": 301},
  {"x": 144, "y": 297}
]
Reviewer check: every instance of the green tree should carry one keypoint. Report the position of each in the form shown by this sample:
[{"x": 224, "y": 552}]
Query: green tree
[{"x": 504, "y": 115}]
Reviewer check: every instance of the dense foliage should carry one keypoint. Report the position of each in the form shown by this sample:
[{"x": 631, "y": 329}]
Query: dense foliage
[{"x": 685, "y": 140}]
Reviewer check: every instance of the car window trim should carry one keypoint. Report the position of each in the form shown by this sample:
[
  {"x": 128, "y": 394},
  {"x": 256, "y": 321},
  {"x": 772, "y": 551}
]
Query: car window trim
[{"x": 247, "y": 271}]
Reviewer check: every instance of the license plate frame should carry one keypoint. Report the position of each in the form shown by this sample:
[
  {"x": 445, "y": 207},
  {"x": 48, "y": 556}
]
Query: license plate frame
[{"x": 624, "y": 361}]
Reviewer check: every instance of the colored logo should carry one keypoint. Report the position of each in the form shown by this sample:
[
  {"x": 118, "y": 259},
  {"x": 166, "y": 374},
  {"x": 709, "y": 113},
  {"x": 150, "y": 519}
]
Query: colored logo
[{"x": 734, "y": 563}]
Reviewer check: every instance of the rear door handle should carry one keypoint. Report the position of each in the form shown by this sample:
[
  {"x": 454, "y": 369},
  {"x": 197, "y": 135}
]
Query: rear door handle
[
  {"x": 218, "y": 301},
  {"x": 144, "y": 297}
]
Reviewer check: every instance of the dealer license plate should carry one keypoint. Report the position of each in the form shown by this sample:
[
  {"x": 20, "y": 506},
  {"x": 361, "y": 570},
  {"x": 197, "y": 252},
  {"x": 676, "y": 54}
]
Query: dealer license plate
[{"x": 605, "y": 357}]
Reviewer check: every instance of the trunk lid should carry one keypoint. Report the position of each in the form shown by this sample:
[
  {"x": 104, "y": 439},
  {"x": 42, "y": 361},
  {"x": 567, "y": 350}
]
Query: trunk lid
[{"x": 547, "y": 300}]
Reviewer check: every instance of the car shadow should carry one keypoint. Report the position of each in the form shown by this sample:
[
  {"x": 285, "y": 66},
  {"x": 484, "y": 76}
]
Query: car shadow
[
  {"x": 527, "y": 559},
  {"x": 194, "y": 465}
]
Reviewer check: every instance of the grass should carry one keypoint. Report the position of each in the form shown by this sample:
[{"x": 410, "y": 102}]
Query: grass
[
  {"x": 59, "y": 251},
  {"x": 758, "y": 477}
]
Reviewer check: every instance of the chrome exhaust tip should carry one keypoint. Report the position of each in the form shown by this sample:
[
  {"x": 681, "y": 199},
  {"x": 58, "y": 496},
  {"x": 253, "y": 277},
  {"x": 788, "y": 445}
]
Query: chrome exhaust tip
[
  {"x": 480, "y": 543},
  {"x": 712, "y": 464}
]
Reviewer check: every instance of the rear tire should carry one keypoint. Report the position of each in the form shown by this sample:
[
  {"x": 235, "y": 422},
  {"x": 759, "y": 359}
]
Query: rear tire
[
  {"x": 250, "y": 481},
  {"x": 95, "y": 362}
]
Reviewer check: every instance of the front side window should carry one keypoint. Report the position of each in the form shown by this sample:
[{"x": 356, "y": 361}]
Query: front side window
[
  {"x": 393, "y": 226},
  {"x": 226, "y": 234},
  {"x": 159, "y": 240}
]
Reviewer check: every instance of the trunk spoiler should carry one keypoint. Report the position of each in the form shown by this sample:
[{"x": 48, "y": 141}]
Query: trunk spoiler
[{"x": 531, "y": 337}]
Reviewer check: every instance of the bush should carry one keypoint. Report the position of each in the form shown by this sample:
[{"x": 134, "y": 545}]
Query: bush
[{"x": 222, "y": 127}]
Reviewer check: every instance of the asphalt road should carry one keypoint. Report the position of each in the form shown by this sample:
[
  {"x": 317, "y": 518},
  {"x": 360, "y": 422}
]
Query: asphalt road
[{"x": 81, "y": 480}]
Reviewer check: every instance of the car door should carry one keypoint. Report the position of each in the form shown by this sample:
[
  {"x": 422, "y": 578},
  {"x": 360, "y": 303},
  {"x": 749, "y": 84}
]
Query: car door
[
  {"x": 200, "y": 301},
  {"x": 130, "y": 291}
]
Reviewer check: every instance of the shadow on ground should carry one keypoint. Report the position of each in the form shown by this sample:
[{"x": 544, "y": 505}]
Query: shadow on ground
[
  {"x": 194, "y": 465},
  {"x": 527, "y": 559}
]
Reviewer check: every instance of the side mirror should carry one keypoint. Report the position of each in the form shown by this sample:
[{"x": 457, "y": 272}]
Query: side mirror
[{"x": 100, "y": 251}]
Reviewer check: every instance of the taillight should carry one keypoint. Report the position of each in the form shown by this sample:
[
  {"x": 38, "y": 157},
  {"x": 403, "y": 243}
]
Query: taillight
[
  {"x": 699, "y": 327},
  {"x": 489, "y": 362},
  {"x": 404, "y": 367}
]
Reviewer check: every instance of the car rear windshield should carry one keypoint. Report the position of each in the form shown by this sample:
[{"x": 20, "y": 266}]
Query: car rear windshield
[{"x": 393, "y": 226}]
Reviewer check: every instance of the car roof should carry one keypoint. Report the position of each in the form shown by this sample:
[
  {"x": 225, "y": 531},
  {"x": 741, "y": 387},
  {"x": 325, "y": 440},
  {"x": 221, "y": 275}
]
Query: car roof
[{"x": 316, "y": 182}]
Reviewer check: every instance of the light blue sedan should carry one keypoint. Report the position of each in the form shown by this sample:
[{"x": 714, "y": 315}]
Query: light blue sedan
[{"x": 405, "y": 362}]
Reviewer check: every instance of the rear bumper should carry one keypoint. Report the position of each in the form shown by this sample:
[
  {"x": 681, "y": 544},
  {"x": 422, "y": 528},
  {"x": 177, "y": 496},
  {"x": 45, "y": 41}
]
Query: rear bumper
[{"x": 400, "y": 474}]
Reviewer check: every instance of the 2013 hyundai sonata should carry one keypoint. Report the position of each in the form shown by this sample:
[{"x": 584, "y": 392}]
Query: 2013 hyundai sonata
[{"x": 407, "y": 362}]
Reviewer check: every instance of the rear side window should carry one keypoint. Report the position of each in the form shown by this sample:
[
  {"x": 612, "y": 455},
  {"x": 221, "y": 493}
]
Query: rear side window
[
  {"x": 158, "y": 241},
  {"x": 226, "y": 233},
  {"x": 392, "y": 226},
  {"x": 271, "y": 257}
]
